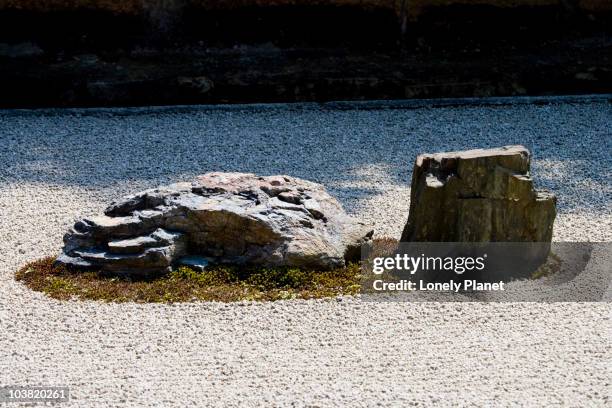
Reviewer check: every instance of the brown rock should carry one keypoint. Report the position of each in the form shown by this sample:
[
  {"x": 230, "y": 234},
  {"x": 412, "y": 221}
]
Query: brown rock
[{"x": 478, "y": 196}]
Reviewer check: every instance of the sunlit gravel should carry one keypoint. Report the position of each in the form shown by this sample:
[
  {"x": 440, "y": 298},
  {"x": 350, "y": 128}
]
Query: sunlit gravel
[{"x": 56, "y": 166}]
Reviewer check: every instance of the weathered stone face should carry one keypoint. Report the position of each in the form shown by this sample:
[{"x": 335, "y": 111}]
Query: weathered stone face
[
  {"x": 232, "y": 218},
  {"x": 478, "y": 196}
]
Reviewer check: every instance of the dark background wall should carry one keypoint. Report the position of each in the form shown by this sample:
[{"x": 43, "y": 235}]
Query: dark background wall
[{"x": 111, "y": 52}]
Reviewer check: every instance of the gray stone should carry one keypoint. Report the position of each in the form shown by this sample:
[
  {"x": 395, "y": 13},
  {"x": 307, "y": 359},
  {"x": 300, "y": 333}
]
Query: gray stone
[
  {"x": 478, "y": 196},
  {"x": 138, "y": 244},
  {"x": 131, "y": 245},
  {"x": 234, "y": 218},
  {"x": 197, "y": 263},
  {"x": 73, "y": 261}
]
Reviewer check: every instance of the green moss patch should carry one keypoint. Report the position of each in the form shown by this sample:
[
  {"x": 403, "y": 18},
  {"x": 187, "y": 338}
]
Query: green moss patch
[
  {"x": 218, "y": 283},
  {"x": 552, "y": 266}
]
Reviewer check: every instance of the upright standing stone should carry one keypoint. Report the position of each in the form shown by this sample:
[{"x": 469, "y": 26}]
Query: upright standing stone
[{"x": 478, "y": 196}]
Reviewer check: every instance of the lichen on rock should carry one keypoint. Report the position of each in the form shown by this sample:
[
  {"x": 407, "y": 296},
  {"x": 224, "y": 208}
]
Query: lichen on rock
[
  {"x": 483, "y": 195},
  {"x": 234, "y": 218}
]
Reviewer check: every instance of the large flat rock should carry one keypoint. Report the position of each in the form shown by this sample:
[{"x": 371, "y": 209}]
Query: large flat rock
[{"x": 235, "y": 218}]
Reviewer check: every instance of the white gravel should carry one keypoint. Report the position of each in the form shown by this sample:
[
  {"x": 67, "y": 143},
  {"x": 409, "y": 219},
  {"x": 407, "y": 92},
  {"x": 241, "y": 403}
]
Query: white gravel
[{"x": 59, "y": 165}]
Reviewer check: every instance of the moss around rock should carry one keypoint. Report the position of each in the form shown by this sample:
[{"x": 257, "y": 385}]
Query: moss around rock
[
  {"x": 478, "y": 196},
  {"x": 219, "y": 283}
]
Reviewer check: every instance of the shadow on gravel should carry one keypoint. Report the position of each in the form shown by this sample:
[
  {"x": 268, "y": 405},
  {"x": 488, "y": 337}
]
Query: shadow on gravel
[{"x": 357, "y": 153}]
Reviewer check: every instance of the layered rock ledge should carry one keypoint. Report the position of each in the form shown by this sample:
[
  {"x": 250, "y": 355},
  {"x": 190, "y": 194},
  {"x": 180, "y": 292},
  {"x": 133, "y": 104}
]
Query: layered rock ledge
[
  {"x": 234, "y": 218},
  {"x": 478, "y": 196}
]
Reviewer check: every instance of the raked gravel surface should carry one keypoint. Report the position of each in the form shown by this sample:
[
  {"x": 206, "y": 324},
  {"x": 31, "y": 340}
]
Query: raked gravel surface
[{"x": 56, "y": 166}]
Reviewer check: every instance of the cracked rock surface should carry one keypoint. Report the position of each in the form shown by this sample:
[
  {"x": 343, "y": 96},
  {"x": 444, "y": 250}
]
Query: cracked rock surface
[
  {"x": 237, "y": 218},
  {"x": 482, "y": 195}
]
